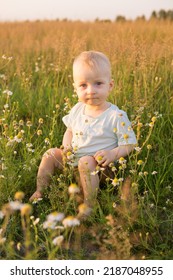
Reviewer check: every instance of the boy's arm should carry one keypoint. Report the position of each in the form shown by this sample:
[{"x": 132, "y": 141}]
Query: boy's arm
[
  {"x": 122, "y": 151},
  {"x": 107, "y": 156},
  {"x": 67, "y": 138}
]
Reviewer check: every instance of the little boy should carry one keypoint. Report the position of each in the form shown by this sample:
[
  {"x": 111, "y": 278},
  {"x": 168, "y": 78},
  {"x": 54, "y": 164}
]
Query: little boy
[{"x": 98, "y": 131}]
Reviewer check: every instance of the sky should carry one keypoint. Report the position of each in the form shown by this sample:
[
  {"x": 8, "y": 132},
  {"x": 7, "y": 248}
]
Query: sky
[{"x": 12, "y": 10}]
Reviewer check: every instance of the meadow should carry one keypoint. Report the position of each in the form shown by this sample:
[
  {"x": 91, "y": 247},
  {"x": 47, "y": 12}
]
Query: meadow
[{"x": 36, "y": 92}]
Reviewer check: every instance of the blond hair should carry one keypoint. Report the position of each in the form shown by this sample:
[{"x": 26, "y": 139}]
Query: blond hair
[{"x": 94, "y": 60}]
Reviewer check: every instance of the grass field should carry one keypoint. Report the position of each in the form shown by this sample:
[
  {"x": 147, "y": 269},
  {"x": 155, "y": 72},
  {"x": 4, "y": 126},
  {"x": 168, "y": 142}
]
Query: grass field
[{"x": 36, "y": 92}]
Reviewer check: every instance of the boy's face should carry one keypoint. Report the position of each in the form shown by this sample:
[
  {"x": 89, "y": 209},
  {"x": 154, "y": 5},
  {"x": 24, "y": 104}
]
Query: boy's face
[{"x": 92, "y": 85}]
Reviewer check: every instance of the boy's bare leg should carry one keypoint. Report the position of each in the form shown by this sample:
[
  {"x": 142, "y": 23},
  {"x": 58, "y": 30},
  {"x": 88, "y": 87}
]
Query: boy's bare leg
[
  {"x": 90, "y": 183},
  {"x": 51, "y": 160}
]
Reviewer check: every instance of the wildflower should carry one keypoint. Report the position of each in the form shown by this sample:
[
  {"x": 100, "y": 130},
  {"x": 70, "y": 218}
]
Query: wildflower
[
  {"x": 151, "y": 205},
  {"x": 40, "y": 121},
  {"x": 47, "y": 141},
  {"x": 21, "y": 122},
  {"x": 3, "y": 77},
  {"x": 15, "y": 205},
  {"x": 70, "y": 155},
  {"x": 145, "y": 173},
  {"x": 36, "y": 221},
  {"x": 55, "y": 216},
  {"x": 134, "y": 185},
  {"x": 97, "y": 170},
  {"x": 6, "y": 106},
  {"x": 26, "y": 209},
  {"x": 84, "y": 209},
  {"x": 114, "y": 205},
  {"x": 154, "y": 119},
  {"x": 168, "y": 201},
  {"x": 36, "y": 200},
  {"x": 19, "y": 195},
  {"x": 2, "y": 240},
  {"x": 99, "y": 158},
  {"x": 39, "y": 132},
  {"x": 151, "y": 124},
  {"x": 114, "y": 169},
  {"x": 73, "y": 189},
  {"x": 18, "y": 138},
  {"x": 18, "y": 246},
  {"x": 154, "y": 173},
  {"x": 115, "y": 130},
  {"x": 58, "y": 240},
  {"x": 140, "y": 162},
  {"x": 94, "y": 172},
  {"x": 115, "y": 182},
  {"x": 138, "y": 149},
  {"x": 8, "y": 92},
  {"x": 75, "y": 149},
  {"x": 29, "y": 123},
  {"x": 122, "y": 160},
  {"x": 49, "y": 225},
  {"x": 70, "y": 221},
  {"x": 149, "y": 147}
]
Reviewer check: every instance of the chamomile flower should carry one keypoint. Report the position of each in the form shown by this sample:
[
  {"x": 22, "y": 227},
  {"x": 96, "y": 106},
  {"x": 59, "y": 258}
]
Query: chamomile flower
[
  {"x": 99, "y": 159},
  {"x": 49, "y": 225},
  {"x": 26, "y": 209},
  {"x": 73, "y": 189},
  {"x": 8, "y": 92},
  {"x": 70, "y": 155},
  {"x": 19, "y": 195},
  {"x": 55, "y": 216},
  {"x": 115, "y": 182},
  {"x": 58, "y": 240},
  {"x": 122, "y": 160},
  {"x": 84, "y": 209},
  {"x": 70, "y": 221},
  {"x": 140, "y": 162}
]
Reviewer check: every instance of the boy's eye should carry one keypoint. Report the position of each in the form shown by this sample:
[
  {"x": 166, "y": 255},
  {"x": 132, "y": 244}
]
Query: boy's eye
[
  {"x": 98, "y": 83},
  {"x": 83, "y": 85}
]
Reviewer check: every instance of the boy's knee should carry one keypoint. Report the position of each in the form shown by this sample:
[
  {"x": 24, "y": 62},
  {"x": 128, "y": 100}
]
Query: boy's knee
[
  {"x": 53, "y": 153},
  {"x": 49, "y": 153},
  {"x": 86, "y": 162}
]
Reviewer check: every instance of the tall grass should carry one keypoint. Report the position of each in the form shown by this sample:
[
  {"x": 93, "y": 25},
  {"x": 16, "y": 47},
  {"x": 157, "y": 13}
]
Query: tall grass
[{"x": 36, "y": 91}]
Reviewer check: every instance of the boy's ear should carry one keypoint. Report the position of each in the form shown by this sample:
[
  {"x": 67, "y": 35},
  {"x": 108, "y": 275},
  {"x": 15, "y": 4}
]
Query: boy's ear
[{"x": 111, "y": 84}]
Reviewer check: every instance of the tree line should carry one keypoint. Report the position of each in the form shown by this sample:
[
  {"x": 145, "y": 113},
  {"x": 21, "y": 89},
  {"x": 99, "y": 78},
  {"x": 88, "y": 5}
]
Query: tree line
[{"x": 160, "y": 15}]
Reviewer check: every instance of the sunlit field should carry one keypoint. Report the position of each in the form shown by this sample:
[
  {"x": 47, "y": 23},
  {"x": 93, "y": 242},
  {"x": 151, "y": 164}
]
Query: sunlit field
[{"x": 36, "y": 92}]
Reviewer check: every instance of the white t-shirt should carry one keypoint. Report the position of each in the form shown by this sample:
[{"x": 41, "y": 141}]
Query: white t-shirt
[{"x": 107, "y": 131}]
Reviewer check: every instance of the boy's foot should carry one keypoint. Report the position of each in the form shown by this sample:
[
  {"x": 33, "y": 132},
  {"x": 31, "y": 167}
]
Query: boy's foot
[{"x": 35, "y": 196}]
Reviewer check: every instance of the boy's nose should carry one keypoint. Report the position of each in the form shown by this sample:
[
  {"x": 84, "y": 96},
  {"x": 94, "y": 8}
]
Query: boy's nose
[{"x": 91, "y": 89}]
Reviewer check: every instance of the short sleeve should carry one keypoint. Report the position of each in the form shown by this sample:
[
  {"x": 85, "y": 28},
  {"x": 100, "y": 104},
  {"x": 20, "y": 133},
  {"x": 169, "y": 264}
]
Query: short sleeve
[
  {"x": 69, "y": 119},
  {"x": 124, "y": 131}
]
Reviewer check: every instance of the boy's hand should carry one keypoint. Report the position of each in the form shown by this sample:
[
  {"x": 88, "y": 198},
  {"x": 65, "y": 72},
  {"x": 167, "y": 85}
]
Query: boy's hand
[{"x": 104, "y": 157}]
